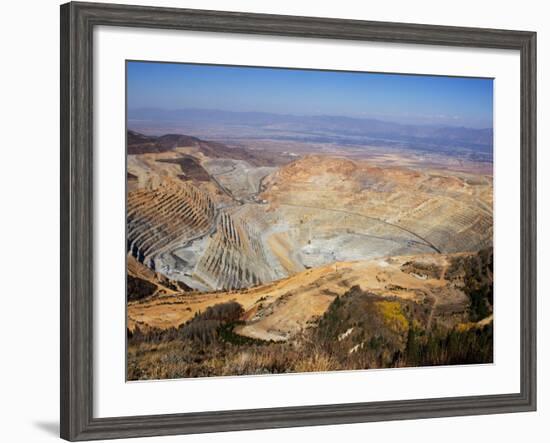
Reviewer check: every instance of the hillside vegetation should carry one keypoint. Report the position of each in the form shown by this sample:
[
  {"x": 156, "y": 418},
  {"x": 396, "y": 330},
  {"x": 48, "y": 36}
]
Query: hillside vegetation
[{"x": 360, "y": 329}]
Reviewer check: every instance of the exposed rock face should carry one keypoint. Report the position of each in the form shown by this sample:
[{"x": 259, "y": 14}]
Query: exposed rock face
[
  {"x": 165, "y": 217},
  {"x": 437, "y": 210},
  {"x": 209, "y": 217},
  {"x": 142, "y": 282},
  {"x": 235, "y": 256}
]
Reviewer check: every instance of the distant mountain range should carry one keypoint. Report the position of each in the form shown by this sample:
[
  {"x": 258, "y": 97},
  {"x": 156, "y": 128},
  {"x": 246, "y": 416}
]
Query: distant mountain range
[{"x": 326, "y": 128}]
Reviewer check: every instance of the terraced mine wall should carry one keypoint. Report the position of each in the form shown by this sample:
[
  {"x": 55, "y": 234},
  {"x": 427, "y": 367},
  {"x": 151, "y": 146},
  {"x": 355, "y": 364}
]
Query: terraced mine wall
[
  {"x": 235, "y": 256},
  {"x": 215, "y": 219},
  {"x": 165, "y": 217}
]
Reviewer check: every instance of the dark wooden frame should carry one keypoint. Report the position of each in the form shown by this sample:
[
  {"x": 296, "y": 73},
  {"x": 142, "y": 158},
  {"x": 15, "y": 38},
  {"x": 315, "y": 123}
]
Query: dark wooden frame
[{"x": 77, "y": 23}]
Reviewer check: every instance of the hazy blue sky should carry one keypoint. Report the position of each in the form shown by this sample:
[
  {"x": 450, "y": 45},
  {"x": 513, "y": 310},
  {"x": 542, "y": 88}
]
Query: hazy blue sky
[{"x": 403, "y": 98}]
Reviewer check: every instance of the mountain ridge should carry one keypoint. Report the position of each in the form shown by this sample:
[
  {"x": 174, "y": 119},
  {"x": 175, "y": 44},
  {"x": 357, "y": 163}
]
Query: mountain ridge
[{"x": 320, "y": 125}]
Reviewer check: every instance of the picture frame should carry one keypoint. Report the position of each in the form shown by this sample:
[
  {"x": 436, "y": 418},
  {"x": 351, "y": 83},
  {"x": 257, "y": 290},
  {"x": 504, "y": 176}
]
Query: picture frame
[{"x": 78, "y": 21}]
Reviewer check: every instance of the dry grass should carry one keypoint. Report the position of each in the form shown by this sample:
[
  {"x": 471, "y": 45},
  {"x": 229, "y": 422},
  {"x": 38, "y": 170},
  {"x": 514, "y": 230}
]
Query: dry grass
[
  {"x": 358, "y": 330},
  {"x": 306, "y": 296}
]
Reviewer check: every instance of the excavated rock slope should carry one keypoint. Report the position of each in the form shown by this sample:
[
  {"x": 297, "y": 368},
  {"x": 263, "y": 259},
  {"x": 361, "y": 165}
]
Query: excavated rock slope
[
  {"x": 168, "y": 215},
  {"x": 216, "y": 219}
]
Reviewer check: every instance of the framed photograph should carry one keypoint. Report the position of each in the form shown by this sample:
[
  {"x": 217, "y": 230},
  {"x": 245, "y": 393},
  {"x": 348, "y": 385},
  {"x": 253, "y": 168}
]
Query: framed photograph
[{"x": 273, "y": 221}]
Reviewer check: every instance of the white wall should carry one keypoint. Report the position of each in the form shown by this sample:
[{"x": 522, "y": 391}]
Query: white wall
[{"x": 29, "y": 109}]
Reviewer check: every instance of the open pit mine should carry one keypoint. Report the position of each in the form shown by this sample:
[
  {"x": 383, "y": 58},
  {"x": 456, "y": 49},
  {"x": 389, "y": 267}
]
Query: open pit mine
[{"x": 209, "y": 225}]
